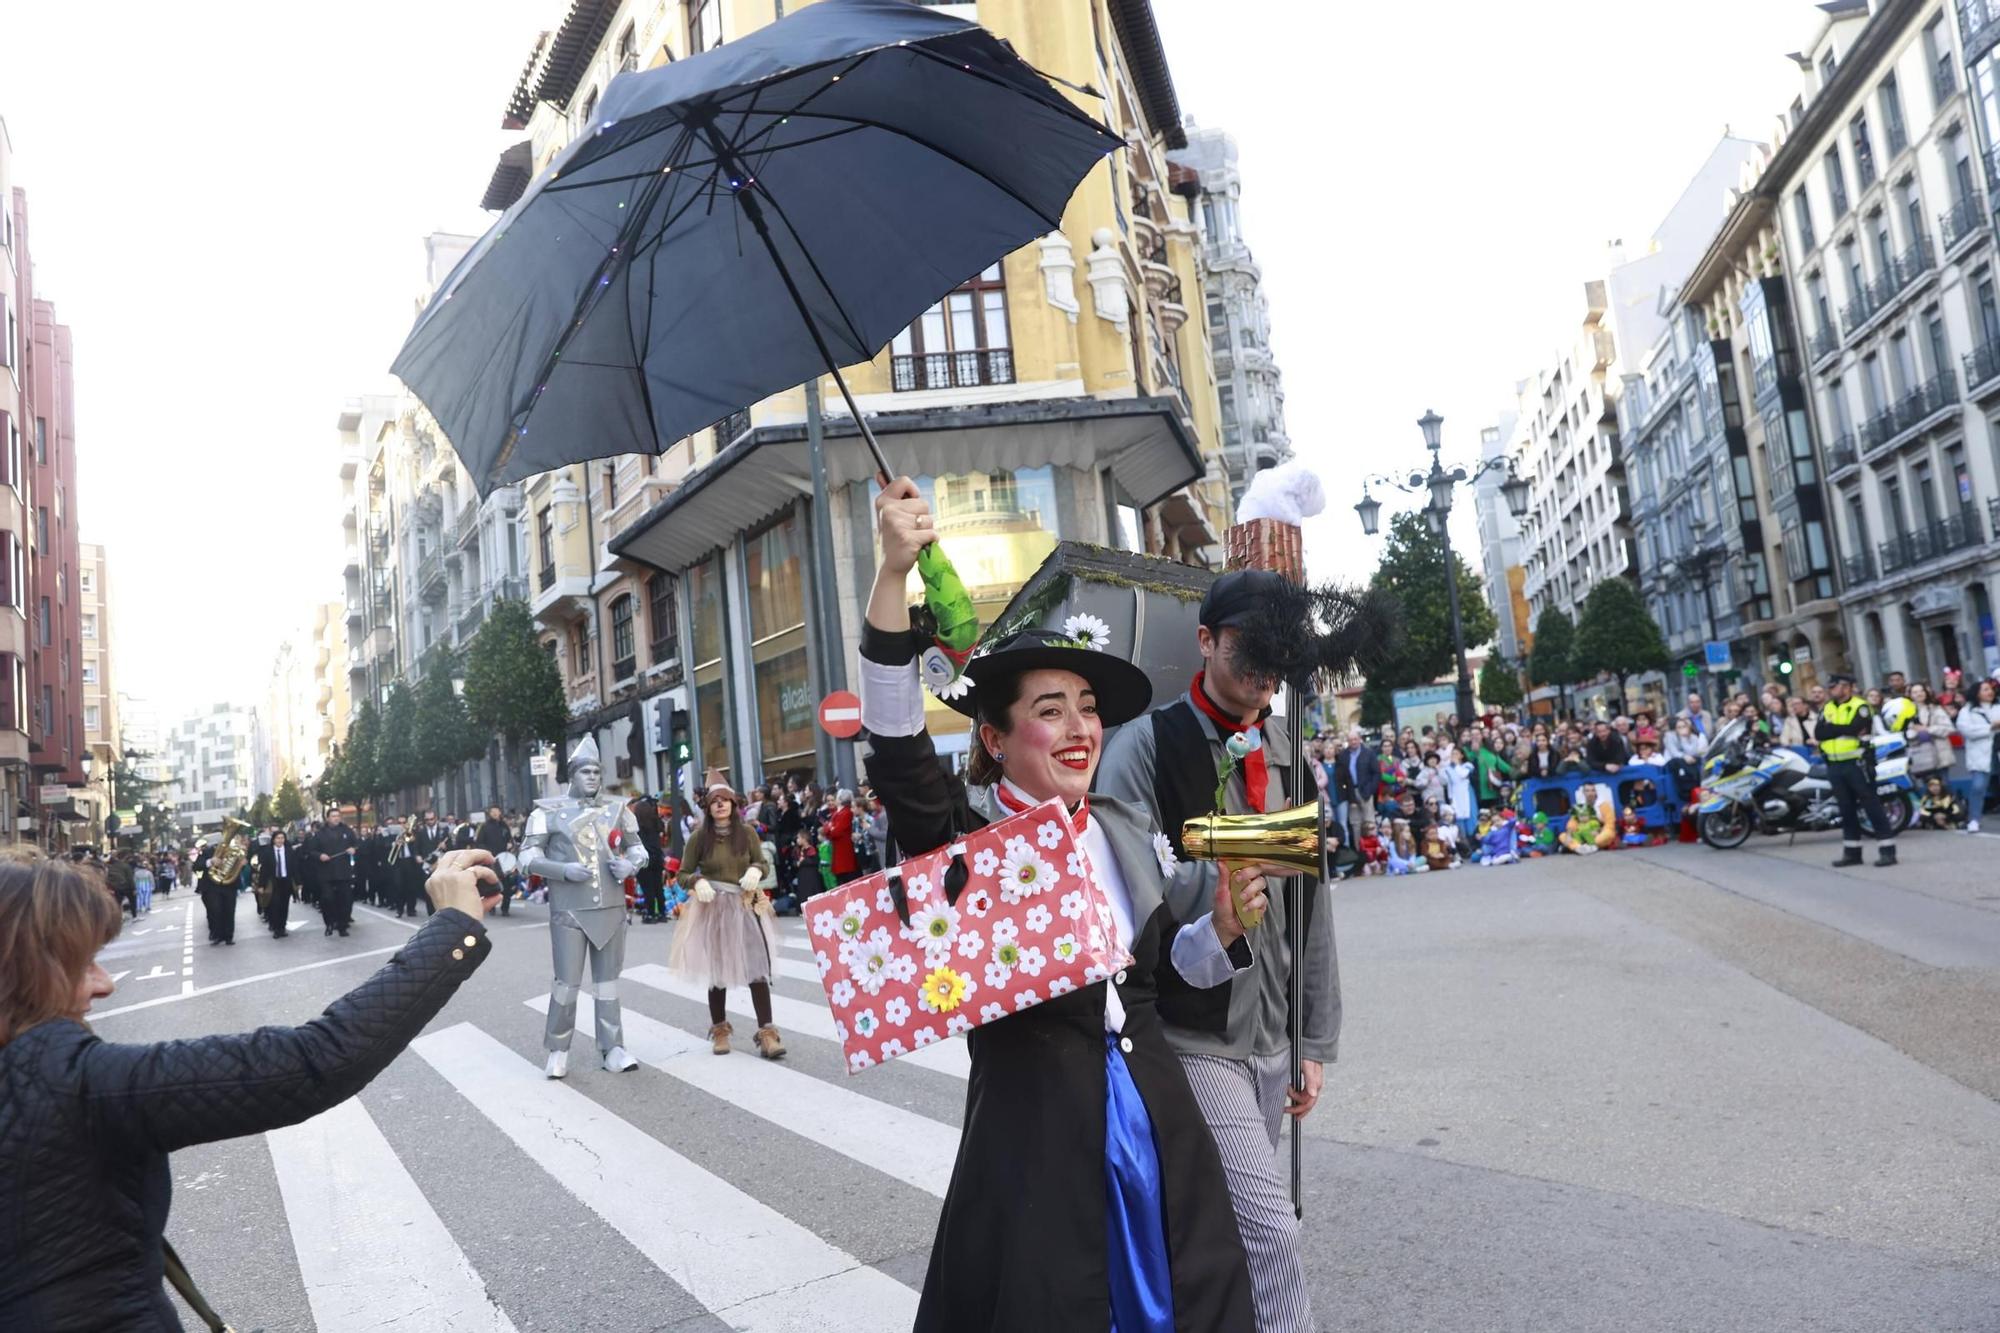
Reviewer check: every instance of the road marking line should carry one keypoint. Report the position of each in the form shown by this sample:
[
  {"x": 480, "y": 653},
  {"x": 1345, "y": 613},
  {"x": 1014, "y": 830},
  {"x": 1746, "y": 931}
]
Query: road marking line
[
  {"x": 371, "y": 1248},
  {"x": 810, "y": 1020},
  {"x": 187, "y": 961},
  {"x": 912, "y": 1148},
  {"x": 750, "y": 1265},
  {"x": 117, "y": 977},
  {"x": 190, "y": 991}
]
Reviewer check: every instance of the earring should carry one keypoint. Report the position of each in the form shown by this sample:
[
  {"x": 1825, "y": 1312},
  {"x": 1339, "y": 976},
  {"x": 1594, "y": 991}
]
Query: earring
[{"x": 999, "y": 758}]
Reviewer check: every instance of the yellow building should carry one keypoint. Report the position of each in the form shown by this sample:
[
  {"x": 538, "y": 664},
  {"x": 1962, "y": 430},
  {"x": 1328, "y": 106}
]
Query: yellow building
[{"x": 1066, "y": 392}]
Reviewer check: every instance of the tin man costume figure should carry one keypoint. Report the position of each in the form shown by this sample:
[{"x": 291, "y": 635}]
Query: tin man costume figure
[{"x": 585, "y": 846}]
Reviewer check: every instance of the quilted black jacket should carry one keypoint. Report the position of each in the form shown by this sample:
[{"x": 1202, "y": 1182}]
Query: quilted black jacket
[{"x": 86, "y": 1126}]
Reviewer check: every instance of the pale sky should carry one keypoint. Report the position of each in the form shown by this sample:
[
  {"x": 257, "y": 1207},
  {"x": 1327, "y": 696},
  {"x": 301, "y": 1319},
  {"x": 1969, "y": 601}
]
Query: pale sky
[{"x": 228, "y": 202}]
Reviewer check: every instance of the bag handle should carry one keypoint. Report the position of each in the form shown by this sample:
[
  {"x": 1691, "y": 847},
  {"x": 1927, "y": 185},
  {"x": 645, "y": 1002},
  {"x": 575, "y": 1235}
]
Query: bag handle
[
  {"x": 177, "y": 1277},
  {"x": 955, "y": 877}
]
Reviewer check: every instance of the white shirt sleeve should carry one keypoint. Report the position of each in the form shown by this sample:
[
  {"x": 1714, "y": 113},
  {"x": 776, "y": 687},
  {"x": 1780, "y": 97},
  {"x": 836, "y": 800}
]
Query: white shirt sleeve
[
  {"x": 892, "y": 698},
  {"x": 1199, "y": 956}
]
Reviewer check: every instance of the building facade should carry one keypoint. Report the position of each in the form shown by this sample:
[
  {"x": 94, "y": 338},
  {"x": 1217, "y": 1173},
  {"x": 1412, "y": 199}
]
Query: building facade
[
  {"x": 101, "y": 734},
  {"x": 1886, "y": 221},
  {"x": 41, "y": 698},
  {"x": 1500, "y": 550},
  {"x": 1249, "y": 387},
  {"x": 212, "y": 756}
]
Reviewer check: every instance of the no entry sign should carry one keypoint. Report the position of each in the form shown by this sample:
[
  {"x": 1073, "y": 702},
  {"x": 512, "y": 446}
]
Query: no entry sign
[{"x": 840, "y": 714}]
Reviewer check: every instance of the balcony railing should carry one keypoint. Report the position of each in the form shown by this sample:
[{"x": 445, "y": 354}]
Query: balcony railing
[
  {"x": 1879, "y": 429},
  {"x": 1982, "y": 365},
  {"x": 1944, "y": 78},
  {"x": 953, "y": 370},
  {"x": 733, "y": 427},
  {"x": 1856, "y": 570},
  {"x": 1993, "y": 516},
  {"x": 1963, "y": 221},
  {"x": 1841, "y": 453},
  {"x": 1978, "y": 28},
  {"x": 1860, "y": 310},
  {"x": 470, "y": 621},
  {"x": 548, "y": 577},
  {"x": 430, "y": 574},
  {"x": 1823, "y": 343},
  {"x": 1932, "y": 396},
  {"x": 1898, "y": 137},
  {"x": 1955, "y": 532},
  {"x": 465, "y": 526},
  {"x": 514, "y": 587}
]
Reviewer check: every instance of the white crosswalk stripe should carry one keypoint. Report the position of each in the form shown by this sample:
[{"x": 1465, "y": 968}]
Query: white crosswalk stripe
[
  {"x": 355, "y": 1213},
  {"x": 751, "y": 1266},
  {"x": 911, "y": 1148},
  {"x": 811, "y": 1020}
]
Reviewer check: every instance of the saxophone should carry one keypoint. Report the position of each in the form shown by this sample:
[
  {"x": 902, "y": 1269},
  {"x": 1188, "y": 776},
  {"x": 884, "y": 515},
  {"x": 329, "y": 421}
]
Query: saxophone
[{"x": 226, "y": 866}]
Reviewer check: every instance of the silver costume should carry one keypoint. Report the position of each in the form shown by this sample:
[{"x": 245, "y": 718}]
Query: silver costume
[{"x": 568, "y": 842}]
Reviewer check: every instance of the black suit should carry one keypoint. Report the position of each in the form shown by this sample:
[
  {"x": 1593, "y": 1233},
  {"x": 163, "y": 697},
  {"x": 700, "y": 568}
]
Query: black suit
[
  {"x": 279, "y": 868},
  {"x": 1357, "y": 777},
  {"x": 218, "y": 899},
  {"x": 370, "y": 858},
  {"x": 336, "y": 842}
]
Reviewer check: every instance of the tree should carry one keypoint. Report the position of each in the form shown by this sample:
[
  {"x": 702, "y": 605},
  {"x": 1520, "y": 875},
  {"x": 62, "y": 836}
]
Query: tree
[
  {"x": 1499, "y": 682},
  {"x": 1412, "y": 573},
  {"x": 1552, "y": 661},
  {"x": 1377, "y": 704},
  {"x": 1617, "y": 635},
  {"x": 289, "y": 805},
  {"x": 446, "y": 737},
  {"x": 397, "y": 763},
  {"x": 512, "y": 687},
  {"x": 353, "y": 776},
  {"x": 260, "y": 810}
]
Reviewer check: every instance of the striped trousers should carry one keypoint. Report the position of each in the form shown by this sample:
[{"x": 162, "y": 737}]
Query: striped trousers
[{"x": 1244, "y": 1104}]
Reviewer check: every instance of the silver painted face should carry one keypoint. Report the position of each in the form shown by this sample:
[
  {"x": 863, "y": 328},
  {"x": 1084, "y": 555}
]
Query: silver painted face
[{"x": 587, "y": 778}]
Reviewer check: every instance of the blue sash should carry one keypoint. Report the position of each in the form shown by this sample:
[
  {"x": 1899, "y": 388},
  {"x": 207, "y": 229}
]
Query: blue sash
[{"x": 1135, "y": 1237}]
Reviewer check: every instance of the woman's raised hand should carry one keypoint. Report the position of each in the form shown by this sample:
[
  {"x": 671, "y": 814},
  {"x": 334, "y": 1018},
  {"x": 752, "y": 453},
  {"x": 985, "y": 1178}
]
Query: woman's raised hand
[
  {"x": 903, "y": 519},
  {"x": 461, "y": 880}
]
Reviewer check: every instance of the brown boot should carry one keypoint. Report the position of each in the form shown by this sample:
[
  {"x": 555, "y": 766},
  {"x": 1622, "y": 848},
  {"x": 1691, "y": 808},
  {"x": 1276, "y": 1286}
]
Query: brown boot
[
  {"x": 719, "y": 1034},
  {"x": 769, "y": 1044}
]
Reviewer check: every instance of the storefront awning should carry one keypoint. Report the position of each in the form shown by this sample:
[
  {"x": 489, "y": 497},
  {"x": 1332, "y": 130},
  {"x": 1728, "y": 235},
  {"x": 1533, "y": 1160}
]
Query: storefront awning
[{"x": 1144, "y": 443}]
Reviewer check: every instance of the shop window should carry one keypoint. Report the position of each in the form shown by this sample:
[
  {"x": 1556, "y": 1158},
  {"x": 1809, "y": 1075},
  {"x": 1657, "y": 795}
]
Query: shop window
[{"x": 774, "y": 570}]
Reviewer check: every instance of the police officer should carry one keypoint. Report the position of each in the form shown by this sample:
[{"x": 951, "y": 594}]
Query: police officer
[{"x": 1845, "y": 729}]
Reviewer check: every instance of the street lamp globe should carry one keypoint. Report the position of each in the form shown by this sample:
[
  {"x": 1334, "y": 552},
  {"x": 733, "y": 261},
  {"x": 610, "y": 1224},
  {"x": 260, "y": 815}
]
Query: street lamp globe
[
  {"x": 1370, "y": 510},
  {"x": 1441, "y": 484},
  {"x": 1432, "y": 426},
  {"x": 1514, "y": 491},
  {"x": 1436, "y": 518},
  {"x": 84, "y": 761}
]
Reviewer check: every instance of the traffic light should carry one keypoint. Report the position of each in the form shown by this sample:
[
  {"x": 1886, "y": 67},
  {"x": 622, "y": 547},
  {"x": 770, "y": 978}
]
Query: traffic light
[
  {"x": 682, "y": 746},
  {"x": 1782, "y": 664}
]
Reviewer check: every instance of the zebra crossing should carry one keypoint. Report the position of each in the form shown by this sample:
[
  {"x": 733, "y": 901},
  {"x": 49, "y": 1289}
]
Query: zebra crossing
[{"x": 372, "y": 1248}]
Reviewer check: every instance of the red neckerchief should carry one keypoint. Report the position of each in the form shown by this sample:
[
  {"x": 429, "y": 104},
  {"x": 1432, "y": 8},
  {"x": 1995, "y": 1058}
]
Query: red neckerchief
[
  {"x": 1256, "y": 775},
  {"x": 1079, "y": 818}
]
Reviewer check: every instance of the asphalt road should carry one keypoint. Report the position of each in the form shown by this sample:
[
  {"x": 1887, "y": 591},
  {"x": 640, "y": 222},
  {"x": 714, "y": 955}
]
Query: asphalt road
[{"x": 1668, "y": 1089}]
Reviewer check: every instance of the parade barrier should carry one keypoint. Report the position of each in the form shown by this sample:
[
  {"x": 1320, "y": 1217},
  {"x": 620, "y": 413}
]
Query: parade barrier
[{"x": 1554, "y": 796}]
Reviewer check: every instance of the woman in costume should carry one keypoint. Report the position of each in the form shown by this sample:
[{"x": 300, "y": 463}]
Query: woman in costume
[
  {"x": 726, "y": 937},
  {"x": 1088, "y": 1194}
]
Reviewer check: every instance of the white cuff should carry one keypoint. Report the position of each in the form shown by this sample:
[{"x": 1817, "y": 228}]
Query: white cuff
[
  {"x": 892, "y": 698},
  {"x": 1199, "y": 956}
]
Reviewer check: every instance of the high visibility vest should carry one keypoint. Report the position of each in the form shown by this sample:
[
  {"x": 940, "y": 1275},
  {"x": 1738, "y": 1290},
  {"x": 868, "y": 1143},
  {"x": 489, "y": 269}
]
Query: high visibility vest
[{"x": 1841, "y": 715}]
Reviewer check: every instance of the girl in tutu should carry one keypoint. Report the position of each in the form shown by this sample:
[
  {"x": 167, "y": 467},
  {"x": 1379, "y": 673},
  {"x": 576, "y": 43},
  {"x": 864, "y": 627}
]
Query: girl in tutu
[{"x": 727, "y": 936}]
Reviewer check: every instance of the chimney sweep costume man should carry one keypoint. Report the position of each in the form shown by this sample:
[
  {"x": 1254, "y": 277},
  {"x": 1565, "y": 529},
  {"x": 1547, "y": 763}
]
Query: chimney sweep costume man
[
  {"x": 586, "y": 845},
  {"x": 1234, "y": 1039},
  {"x": 1087, "y": 1195}
]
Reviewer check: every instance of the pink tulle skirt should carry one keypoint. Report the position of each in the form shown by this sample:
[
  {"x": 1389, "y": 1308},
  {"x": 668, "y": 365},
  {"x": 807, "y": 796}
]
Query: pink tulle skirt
[{"x": 723, "y": 945}]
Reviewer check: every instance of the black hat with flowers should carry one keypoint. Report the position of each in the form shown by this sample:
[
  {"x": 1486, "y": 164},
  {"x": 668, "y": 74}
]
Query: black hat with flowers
[{"x": 1122, "y": 689}]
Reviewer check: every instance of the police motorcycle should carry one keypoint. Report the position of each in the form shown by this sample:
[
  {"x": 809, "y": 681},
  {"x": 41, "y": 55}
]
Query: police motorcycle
[{"x": 1749, "y": 785}]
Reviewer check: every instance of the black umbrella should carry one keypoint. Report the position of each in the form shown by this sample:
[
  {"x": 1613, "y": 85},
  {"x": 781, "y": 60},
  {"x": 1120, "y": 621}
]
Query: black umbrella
[{"x": 733, "y": 224}]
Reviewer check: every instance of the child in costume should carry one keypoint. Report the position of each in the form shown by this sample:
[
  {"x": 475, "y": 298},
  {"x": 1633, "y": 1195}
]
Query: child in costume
[
  {"x": 1541, "y": 839},
  {"x": 1501, "y": 845},
  {"x": 1435, "y": 856},
  {"x": 1586, "y": 832},
  {"x": 1448, "y": 834},
  {"x": 1401, "y": 857},
  {"x": 1374, "y": 856},
  {"x": 1940, "y": 808},
  {"x": 1631, "y": 831}
]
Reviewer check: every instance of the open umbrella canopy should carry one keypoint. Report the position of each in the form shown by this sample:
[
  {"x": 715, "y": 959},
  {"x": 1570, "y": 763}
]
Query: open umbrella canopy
[{"x": 732, "y": 224}]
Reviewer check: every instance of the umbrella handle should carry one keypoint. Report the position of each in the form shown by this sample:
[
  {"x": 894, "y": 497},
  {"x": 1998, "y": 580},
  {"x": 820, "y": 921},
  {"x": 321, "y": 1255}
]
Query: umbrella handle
[{"x": 883, "y": 472}]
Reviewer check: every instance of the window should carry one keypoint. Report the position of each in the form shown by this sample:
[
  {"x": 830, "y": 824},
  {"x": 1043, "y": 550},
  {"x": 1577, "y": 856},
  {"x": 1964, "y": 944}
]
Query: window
[
  {"x": 589, "y": 107},
  {"x": 14, "y": 571},
  {"x": 42, "y": 530},
  {"x": 43, "y": 637},
  {"x": 1836, "y": 184},
  {"x": 1874, "y": 397},
  {"x": 610, "y": 486},
  {"x": 774, "y": 560},
  {"x": 628, "y": 52},
  {"x": 1902, "y": 368},
  {"x": 93, "y": 717},
  {"x": 579, "y": 648},
  {"x": 1864, "y": 152},
  {"x": 1989, "y": 309},
  {"x": 704, "y": 25},
  {"x": 545, "y": 542},
  {"x": 1802, "y": 216},
  {"x": 90, "y": 678},
  {"x": 662, "y": 618},
  {"x": 1826, "y": 69},
  {"x": 90, "y": 625},
  {"x": 13, "y": 691},
  {"x": 1822, "y": 308},
  {"x": 12, "y": 462},
  {"x": 711, "y": 687},
  {"x": 48, "y": 727},
  {"x": 1937, "y": 50},
  {"x": 7, "y": 310},
  {"x": 1885, "y": 245},
  {"x": 1940, "y": 349},
  {"x": 624, "y": 653},
  {"x": 1892, "y": 115},
  {"x": 1857, "y": 283},
  {"x": 41, "y": 440},
  {"x": 86, "y": 581},
  {"x": 960, "y": 342}
]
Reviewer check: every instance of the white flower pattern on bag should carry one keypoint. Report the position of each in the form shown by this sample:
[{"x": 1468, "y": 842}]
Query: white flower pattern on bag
[
  {"x": 1074, "y": 905},
  {"x": 1038, "y": 919},
  {"x": 1032, "y": 961},
  {"x": 970, "y": 945},
  {"x": 1048, "y": 835},
  {"x": 985, "y": 861}
]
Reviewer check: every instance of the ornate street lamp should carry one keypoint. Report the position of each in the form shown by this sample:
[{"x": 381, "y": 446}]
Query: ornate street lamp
[{"x": 1440, "y": 481}]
